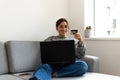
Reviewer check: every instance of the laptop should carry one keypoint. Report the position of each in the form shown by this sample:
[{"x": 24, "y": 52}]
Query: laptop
[{"x": 55, "y": 52}]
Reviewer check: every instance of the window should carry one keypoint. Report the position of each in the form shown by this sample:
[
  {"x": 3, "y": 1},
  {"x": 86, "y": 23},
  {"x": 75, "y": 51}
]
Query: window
[{"x": 104, "y": 17}]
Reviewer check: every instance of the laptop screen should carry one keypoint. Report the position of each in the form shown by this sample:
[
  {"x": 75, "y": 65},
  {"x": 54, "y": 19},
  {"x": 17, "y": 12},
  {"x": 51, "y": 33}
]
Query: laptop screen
[{"x": 55, "y": 52}]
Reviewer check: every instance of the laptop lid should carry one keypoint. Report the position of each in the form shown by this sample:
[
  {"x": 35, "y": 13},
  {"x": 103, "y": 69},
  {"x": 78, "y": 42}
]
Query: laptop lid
[{"x": 54, "y": 52}]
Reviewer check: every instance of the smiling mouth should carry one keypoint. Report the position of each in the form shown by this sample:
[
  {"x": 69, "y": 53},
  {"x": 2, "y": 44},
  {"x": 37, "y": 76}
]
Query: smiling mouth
[{"x": 63, "y": 32}]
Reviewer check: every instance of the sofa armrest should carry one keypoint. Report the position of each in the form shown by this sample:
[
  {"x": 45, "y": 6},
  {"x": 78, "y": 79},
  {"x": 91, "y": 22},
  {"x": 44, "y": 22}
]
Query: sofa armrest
[{"x": 93, "y": 63}]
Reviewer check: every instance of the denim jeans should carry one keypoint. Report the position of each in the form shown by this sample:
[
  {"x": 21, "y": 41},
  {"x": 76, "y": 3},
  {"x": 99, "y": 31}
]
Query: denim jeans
[{"x": 44, "y": 71}]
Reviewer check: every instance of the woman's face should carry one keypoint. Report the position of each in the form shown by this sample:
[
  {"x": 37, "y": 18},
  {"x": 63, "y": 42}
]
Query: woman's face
[{"x": 62, "y": 29}]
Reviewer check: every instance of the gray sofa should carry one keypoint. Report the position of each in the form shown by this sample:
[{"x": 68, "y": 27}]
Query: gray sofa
[{"x": 18, "y": 60}]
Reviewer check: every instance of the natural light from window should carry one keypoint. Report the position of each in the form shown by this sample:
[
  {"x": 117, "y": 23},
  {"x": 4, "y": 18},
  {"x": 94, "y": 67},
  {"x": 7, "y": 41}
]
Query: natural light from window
[{"x": 104, "y": 17}]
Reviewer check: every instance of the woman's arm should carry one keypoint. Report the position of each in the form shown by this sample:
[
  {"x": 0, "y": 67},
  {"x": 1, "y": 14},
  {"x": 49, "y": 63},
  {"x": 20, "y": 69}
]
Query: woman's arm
[
  {"x": 80, "y": 50},
  {"x": 80, "y": 47}
]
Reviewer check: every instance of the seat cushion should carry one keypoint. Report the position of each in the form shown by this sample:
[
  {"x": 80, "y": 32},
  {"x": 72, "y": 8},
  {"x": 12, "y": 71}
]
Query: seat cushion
[
  {"x": 91, "y": 76},
  {"x": 23, "y": 55},
  {"x": 24, "y": 75},
  {"x": 9, "y": 77},
  {"x": 87, "y": 76},
  {"x": 3, "y": 59}
]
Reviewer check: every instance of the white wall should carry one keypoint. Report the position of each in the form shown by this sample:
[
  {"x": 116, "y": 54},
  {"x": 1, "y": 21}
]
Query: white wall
[
  {"x": 76, "y": 15},
  {"x": 30, "y": 19}
]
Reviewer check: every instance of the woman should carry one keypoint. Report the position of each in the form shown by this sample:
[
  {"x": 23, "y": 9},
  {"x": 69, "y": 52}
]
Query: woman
[{"x": 46, "y": 71}]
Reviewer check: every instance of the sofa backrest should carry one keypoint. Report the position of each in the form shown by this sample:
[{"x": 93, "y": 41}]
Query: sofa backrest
[
  {"x": 3, "y": 59},
  {"x": 23, "y": 55}
]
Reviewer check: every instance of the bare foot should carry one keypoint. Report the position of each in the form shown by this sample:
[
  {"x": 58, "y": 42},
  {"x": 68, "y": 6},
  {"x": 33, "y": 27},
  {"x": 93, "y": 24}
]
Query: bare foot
[{"x": 54, "y": 74}]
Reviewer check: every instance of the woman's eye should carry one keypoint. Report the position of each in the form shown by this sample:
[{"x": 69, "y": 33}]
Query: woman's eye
[
  {"x": 66, "y": 26},
  {"x": 63, "y": 26}
]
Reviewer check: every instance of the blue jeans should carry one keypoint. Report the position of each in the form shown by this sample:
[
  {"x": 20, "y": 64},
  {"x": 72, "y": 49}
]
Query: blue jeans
[{"x": 44, "y": 71}]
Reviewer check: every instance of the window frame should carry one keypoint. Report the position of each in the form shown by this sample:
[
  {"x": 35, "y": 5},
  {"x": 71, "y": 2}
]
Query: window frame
[{"x": 91, "y": 20}]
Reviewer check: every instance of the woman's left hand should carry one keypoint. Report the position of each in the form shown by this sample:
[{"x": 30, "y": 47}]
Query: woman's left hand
[{"x": 79, "y": 37}]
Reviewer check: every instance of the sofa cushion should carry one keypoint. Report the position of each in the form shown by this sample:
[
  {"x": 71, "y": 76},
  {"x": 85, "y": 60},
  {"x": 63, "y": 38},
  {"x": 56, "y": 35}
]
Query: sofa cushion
[
  {"x": 3, "y": 59},
  {"x": 91, "y": 76},
  {"x": 24, "y": 75},
  {"x": 23, "y": 55},
  {"x": 87, "y": 76},
  {"x": 9, "y": 77}
]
